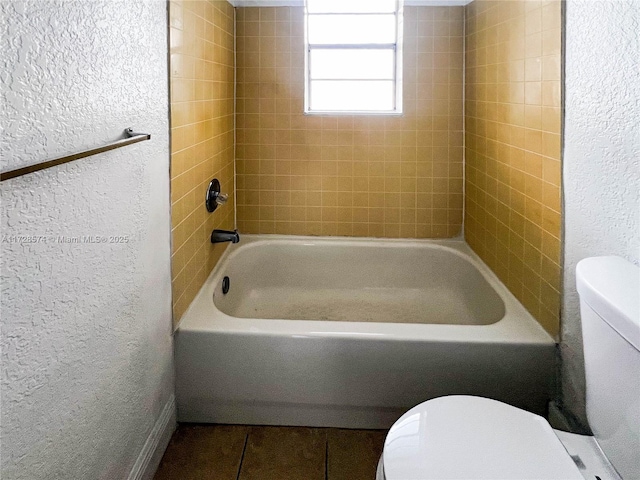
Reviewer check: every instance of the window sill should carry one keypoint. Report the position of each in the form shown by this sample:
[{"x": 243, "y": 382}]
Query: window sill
[{"x": 360, "y": 113}]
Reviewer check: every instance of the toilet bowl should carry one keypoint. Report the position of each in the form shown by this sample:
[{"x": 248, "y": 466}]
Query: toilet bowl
[{"x": 474, "y": 438}]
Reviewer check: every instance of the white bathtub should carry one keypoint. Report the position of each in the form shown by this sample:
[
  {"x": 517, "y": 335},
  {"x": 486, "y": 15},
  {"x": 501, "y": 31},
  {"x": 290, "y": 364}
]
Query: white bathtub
[{"x": 353, "y": 332}]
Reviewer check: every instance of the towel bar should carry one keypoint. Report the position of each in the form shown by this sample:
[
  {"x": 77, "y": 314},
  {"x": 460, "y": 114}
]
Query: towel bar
[{"x": 132, "y": 137}]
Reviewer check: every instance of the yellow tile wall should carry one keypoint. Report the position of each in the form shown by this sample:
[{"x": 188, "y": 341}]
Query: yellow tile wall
[
  {"x": 202, "y": 137},
  {"x": 381, "y": 176},
  {"x": 513, "y": 127}
]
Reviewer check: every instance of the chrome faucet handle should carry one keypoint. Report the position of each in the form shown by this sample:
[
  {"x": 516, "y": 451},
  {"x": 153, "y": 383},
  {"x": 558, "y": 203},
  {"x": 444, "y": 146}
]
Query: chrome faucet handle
[{"x": 222, "y": 198}]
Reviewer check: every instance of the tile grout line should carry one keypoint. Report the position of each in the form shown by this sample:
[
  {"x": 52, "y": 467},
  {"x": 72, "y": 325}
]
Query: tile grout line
[
  {"x": 244, "y": 449},
  {"x": 326, "y": 455}
]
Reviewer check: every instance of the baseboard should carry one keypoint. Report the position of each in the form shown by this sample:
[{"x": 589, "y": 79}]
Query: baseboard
[{"x": 157, "y": 441}]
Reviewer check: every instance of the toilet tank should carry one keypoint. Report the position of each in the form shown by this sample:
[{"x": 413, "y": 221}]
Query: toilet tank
[{"x": 609, "y": 289}]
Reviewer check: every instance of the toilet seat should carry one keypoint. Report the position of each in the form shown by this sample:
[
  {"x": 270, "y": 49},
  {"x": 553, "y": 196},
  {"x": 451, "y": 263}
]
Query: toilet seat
[{"x": 465, "y": 437}]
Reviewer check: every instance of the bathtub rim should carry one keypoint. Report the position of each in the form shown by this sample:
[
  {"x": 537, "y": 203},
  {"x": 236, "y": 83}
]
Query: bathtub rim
[{"x": 516, "y": 326}]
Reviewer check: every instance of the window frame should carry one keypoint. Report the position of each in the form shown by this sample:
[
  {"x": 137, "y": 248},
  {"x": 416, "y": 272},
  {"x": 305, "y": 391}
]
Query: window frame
[{"x": 397, "y": 58}]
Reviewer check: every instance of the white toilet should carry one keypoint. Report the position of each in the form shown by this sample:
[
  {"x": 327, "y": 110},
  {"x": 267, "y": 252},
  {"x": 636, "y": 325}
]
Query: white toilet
[{"x": 473, "y": 438}]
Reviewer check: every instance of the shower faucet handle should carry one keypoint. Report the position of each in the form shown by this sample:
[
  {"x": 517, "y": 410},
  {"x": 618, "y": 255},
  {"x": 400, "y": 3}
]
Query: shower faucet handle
[
  {"x": 222, "y": 198},
  {"x": 213, "y": 198}
]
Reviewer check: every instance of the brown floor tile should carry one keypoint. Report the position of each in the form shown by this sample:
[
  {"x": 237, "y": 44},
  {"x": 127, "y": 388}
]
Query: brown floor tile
[
  {"x": 353, "y": 454},
  {"x": 284, "y": 453},
  {"x": 199, "y": 452}
]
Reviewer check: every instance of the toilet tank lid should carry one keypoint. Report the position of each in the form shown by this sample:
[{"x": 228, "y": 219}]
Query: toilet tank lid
[{"x": 611, "y": 287}]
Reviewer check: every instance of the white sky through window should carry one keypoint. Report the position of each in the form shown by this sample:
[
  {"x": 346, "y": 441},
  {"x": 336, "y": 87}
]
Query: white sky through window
[{"x": 353, "y": 59}]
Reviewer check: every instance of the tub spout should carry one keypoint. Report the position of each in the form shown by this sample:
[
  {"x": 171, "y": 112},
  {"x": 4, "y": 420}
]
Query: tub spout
[{"x": 219, "y": 236}]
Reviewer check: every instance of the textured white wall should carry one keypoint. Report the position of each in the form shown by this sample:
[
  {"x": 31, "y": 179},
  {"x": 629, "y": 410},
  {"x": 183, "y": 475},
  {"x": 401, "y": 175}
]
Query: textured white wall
[
  {"x": 601, "y": 157},
  {"x": 86, "y": 327}
]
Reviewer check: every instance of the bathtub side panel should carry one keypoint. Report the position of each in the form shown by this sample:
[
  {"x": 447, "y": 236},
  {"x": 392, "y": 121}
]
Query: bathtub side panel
[{"x": 348, "y": 383}]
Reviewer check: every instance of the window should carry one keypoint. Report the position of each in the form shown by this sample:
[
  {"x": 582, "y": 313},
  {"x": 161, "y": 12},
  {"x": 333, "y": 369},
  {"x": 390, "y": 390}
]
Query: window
[{"x": 353, "y": 58}]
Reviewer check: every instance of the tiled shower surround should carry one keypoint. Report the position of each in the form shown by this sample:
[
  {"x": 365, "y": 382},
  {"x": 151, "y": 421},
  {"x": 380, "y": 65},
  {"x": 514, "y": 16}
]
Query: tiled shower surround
[
  {"x": 202, "y": 88},
  {"x": 380, "y": 176},
  {"x": 512, "y": 124}
]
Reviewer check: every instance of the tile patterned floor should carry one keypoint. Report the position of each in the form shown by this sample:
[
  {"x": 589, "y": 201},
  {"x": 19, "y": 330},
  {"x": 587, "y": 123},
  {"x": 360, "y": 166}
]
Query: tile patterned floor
[{"x": 238, "y": 452}]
